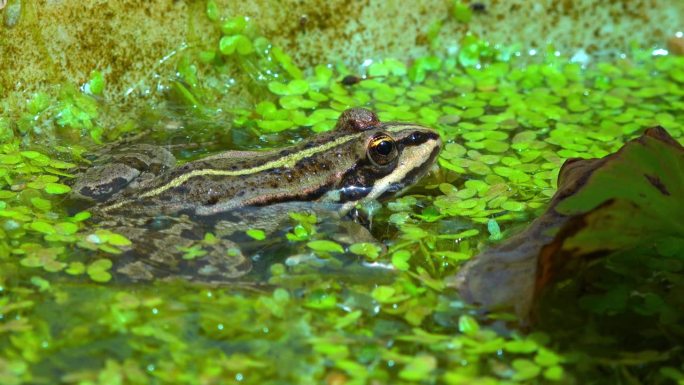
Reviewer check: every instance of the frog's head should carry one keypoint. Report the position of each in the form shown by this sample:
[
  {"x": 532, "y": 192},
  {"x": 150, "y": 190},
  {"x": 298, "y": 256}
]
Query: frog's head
[{"x": 387, "y": 157}]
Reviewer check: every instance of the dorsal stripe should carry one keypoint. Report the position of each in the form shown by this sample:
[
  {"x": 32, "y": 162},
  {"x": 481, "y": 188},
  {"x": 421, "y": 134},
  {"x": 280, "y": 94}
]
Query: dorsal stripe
[{"x": 286, "y": 161}]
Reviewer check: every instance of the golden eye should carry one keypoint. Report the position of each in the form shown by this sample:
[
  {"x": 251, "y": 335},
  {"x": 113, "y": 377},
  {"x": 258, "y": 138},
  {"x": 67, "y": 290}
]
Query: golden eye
[{"x": 382, "y": 150}]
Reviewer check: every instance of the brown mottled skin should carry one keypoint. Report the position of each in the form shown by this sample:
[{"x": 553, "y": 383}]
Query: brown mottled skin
[
  {"x": 309, "y": 179},
  {"x": 137, "y": 191}
]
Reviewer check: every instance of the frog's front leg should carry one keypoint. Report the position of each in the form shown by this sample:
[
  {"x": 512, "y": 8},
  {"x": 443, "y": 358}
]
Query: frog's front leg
[
  {"x": 275, "y": 218},
  {"x": 120, "y": 169}
]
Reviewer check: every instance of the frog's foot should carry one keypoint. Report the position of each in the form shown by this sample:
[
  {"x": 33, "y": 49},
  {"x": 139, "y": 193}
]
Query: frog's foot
[
  {"x": 177, "y": 252},
  {"x": 224, "y": 261},
  {"x": 348, "y": 233},
  {"x": 348, "y": 230}
]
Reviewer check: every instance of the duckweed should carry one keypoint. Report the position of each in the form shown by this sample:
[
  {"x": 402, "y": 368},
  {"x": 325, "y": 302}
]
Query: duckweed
[
  {"x": 97, "y": 270},
  {"x": 508, "y": 122},
  {"x": 256, "y": 234},
  {"x": 325, "y": 246},
  {"x": 96, "y": 84},
  {"x": 368, "y": 250}
]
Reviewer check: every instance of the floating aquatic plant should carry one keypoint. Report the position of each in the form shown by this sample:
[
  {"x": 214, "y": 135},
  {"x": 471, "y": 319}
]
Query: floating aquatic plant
[{"x": 508, "y": 123}]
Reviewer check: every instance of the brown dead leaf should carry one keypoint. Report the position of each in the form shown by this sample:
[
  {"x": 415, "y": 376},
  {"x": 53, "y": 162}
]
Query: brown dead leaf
[{"x": 601, "y": 206}]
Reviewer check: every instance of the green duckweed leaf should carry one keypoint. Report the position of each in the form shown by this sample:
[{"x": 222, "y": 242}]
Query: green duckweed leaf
[
  {"x": 323, "y": 73},
  {"x": 321, "y": 300},
  {"x": 422, "y": 66},
  {"x": 554, "y": 373},
  {"x": 400, "y": 259},
  {"x": 99, "y": 276},
  {"x": 97, "y": 271},
  {"x": 468, "y": 325},
  {"x": 521, "y": 346},
  {"x": 323, "y": 126},
  {"x": 525, "y": 369},
  {"x": 56, "y": 188},
  {"x": 256, "y": 234},
  {"x": 275, "y": 125},
  {"x": 207, "y": 56},
  {"x": 461, "y": 12},
  {"x": 325, "y": 246},
  {"x": 41, "y": 283},
  {"x": 96, "y": 84},
  {"x": 213, "y": 12},
  {"x": 194, "y": 252},
  {"x": 287, "y": 63},
  {"x": 419, "y": 368},
  {"x": 10, "y": 159},
  {"x": 278, "y": 88},
  {"x": 513, "y": 206},
  {"x": 117, "y": 240},
  {"x": 267, "y": 108},
  {"x": 545, "y": 357},
  {"x": 41, "y": 204},
  {"x": 100, "y": 264},
  {"x": 75, "y": 268},
  {"x": 43, "y": 227},
  {"x": 384, "y": 294},
  {"x": 38, "y": 103},
  {"x": 235, "y": 43},
  {"x": 494, "y": 230},
  {"x": 233, "y": 26},
  {"x": 349, "y": 319},
  {"x": 297, "y": 87},
  {"x": 80, "y": 216},
  {"x": 368, "y": 250}
]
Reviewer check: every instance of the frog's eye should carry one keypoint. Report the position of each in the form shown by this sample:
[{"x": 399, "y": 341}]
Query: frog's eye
[{"x": 382, "y": 150}]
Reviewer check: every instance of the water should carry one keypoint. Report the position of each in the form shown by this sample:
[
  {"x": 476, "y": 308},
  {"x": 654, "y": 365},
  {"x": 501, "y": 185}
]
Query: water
[{"x": 508, "y": 124}]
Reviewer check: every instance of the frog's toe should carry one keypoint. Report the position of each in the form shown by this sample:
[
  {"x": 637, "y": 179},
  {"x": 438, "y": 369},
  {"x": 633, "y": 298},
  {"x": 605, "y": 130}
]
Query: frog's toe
[
  {"x": 224, "y": 261},
  {"x": 137, "y": 271},
  {"x": 172, "y": 253},
  {"x": 348, "y": 233}
]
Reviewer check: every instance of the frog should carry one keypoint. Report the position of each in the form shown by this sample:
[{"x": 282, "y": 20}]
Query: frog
[{"x": 166, "y": 208}]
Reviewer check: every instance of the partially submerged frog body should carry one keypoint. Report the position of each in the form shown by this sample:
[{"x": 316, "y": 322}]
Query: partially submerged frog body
[{"x": 166, "y": 210}]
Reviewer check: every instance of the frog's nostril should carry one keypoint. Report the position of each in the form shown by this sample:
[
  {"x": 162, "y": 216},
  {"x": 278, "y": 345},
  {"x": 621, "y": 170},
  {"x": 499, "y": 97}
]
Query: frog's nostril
[{"x": 417, "y": 138}]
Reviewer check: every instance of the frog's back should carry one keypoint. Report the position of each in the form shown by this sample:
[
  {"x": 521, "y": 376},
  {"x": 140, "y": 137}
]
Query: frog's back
[{"x": 234, "y": 179}]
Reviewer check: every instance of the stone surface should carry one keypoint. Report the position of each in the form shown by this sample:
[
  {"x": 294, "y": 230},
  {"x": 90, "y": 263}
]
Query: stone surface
[{"x": 50, "y": 41}]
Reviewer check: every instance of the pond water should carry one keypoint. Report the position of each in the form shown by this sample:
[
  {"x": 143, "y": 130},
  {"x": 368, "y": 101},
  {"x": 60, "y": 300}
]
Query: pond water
[{"x": 312, "y": 314}]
